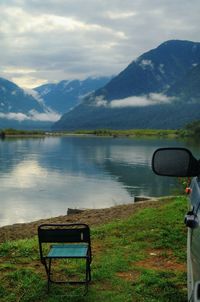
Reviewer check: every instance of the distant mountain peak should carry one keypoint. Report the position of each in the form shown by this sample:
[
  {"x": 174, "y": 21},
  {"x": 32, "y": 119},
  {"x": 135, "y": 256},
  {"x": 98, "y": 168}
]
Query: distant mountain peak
[
  {"x": 66, "y": 94},
  {"x": 148, "y": 93},
  {"x": 21, "y": 108}
]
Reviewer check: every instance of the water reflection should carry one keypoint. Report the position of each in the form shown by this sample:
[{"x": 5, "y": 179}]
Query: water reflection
[
  {"x": 43, "y": 177},
  {"x": 31, "y": 192}
]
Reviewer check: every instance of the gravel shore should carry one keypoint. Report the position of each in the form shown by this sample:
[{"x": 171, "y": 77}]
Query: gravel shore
[{"x": 90, "y": 217}]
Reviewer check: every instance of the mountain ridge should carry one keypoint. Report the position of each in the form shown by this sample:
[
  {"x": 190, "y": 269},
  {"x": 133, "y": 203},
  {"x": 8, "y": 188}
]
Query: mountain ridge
[
  {"x": 160, "y": 89},
  {"x": 141, "y": 92},
  {"x": 66, "y": 94},
  {"x": 32, "y": 109}
]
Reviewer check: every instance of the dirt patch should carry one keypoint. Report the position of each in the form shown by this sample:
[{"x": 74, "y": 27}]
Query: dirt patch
[
  {"x": 129, "y": 276},
  {"x": 90, "y": 217},
  {"x": 161, "y": 260}
]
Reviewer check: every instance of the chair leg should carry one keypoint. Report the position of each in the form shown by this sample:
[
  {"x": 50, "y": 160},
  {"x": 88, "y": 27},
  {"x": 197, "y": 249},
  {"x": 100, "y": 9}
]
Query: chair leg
[
  {"x": 88, "y": 269},
  {"x": 86, "y": 277},
  {"x": 47, "y": 264},
  {"x": 48, "y": 272}
]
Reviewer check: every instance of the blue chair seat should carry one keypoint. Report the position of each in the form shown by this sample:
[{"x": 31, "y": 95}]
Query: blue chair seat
[{"x": 68, "y": 250}]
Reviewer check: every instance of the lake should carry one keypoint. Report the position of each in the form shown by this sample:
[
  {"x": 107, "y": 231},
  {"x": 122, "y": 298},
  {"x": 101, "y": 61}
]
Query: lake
[{"x": 43, "y": 177}]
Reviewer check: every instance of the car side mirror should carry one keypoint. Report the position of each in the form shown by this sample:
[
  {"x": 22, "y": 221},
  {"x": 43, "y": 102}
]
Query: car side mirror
[{"x": 177, "y": 162}]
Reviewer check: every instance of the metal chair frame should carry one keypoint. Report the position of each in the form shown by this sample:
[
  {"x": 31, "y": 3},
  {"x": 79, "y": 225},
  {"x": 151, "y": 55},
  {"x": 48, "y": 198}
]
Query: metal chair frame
[{"x": 72, "y": 242}]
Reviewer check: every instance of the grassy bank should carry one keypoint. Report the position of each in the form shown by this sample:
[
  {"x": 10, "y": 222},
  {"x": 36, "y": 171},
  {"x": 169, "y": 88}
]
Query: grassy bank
[
  {"x": 131, "y": 132},
  {"x": 16, "y": 132},
  {"x": 98, "y": 132},
  {"x": 139, "y": 258},
  {"x": 106, "y": 132}
]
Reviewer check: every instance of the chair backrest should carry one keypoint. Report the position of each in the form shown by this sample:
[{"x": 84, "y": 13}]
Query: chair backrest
[
  {"x": 65, "y": 233},
  {"x": 72, "y": 233}
]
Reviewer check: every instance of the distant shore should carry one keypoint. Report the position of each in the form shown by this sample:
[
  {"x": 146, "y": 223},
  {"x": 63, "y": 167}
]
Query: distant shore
[{"x": 98, "y": 132}]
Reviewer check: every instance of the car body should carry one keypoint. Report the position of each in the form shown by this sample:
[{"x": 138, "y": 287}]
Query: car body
[{"x": 179, "y": 162}]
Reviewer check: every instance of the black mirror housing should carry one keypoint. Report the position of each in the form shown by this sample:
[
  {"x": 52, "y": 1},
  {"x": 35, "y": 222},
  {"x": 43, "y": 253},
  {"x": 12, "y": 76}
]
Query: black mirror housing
[{"x": 175, "y": 162}]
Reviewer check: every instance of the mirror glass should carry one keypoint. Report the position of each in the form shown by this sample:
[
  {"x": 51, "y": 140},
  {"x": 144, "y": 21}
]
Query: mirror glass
[{"x": 171, "y": 162}]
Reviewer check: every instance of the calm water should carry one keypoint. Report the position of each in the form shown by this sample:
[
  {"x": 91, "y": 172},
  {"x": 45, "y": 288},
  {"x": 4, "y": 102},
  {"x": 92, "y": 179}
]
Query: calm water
[{"x": 41, "y": 178}]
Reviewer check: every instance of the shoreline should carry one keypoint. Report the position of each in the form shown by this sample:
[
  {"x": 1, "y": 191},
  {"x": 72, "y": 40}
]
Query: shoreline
[
  {"x": 126, "y": 133},
  {"x": 89, "y": 216}
]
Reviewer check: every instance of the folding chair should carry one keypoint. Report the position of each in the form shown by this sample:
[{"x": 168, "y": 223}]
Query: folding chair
[{"x": 69, "y": 241}]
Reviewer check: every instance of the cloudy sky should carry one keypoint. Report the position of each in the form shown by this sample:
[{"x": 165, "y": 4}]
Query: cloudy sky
[{"x": 46, "y": 41}]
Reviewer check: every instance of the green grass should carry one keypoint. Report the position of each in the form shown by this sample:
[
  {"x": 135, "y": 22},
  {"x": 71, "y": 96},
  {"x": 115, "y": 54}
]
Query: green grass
[
  {"x": 141, "y": 258},
  {"x": 18, "y": 132},
  {"x": 131, "y": 132},
  {"x": 162, "y": 133}
]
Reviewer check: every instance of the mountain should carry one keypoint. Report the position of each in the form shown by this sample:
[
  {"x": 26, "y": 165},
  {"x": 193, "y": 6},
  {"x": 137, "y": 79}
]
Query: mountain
[
  {"x": 154, "y": 91},
  {"x": 188, "y": 87},
  {"x": 154, "y": 71},
  {"x": 20, "y": 109},
  {"x": 65, "y": 95},
  {"x": 41, "y": 107},
  {"x": 15, "y": 99}
]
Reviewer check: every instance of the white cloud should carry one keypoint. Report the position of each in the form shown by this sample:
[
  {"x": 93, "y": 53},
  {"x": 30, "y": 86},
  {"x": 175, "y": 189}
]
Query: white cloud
[
  {"x": 36, "y": 96},
  {"x": 141, "y": 101},
  {"x": 133, "y": 101},
  {"x": 17, "y": 70},
  {"x": 26, "y": 81},
  {"x": 50, "y": 116},
  {"x": 48, "y": 41},
  {"x": 146, "y": 64},
  {"x": 100, "y": 101},
  {"x": 32, "y": 116},
  {"x": 14, "y": 116},
  {"x": 120, "y": 15}
]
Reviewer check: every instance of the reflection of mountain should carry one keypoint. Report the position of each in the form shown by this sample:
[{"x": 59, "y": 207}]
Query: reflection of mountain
[
  {"x": 127, "y": 161},
  {"x": 122, "y": 161},
  {"x": 139, "y": 180},
  {"x": 71, "y": 155}
]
